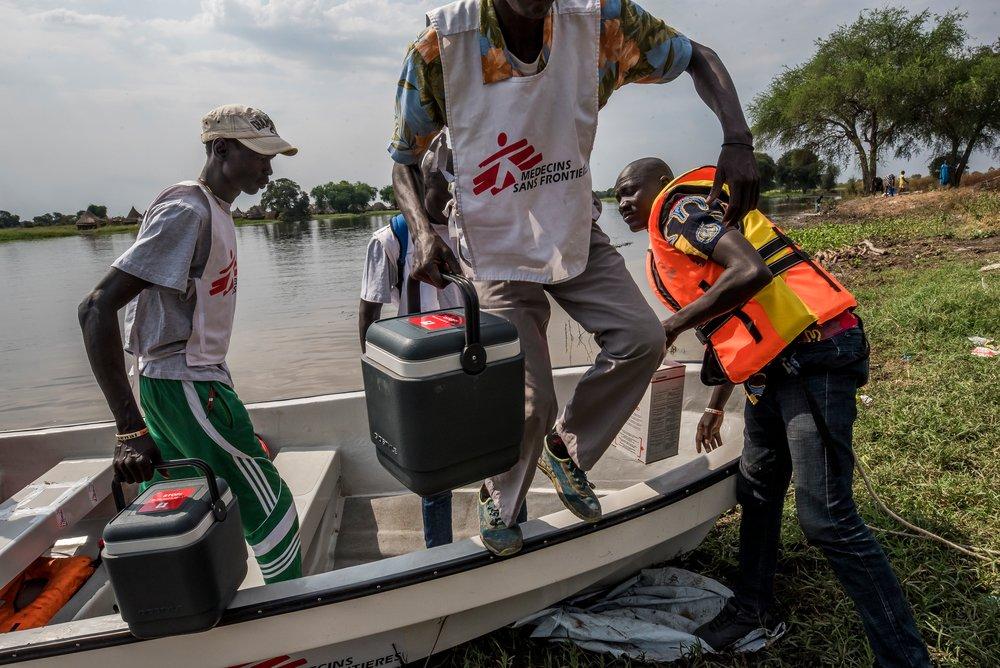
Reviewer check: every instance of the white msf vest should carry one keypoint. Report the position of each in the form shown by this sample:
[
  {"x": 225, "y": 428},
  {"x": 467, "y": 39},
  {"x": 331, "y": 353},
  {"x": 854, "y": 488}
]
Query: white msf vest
[
  {"x": 214, "y": 292},
  {"x": 522, "y": 147}
]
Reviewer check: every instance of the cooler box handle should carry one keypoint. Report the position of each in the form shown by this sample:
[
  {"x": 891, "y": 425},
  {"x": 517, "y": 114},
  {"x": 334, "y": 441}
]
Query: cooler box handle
[
  {"x": 218, "y": 507},
  {"x": 474, "y": 354}
]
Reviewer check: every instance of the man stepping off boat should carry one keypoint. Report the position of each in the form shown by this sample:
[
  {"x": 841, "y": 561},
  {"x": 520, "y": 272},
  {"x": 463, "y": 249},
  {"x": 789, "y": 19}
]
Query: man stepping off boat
[
  {"x": 519, "y": 84},
  {"x": 179, "y": 281},
  {"x": 774, "y": 320},
  {"x": 385, "y": 280}
]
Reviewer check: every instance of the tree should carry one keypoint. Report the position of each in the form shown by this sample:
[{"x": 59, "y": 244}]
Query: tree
[
  {"x": 343, "y": 197},
  {"x": 98, "y": 210},
  {"x": 8, "y": 219},
  {"x": 829, "y": 178},
  {"x": 364, "y": 194},
  {"x": 862, "y": 91},
  {"x": 767, "y": 170},
  {"x": 962, "y": 113},
  {"x": 799, "y": 169},
  {"x": 388, "y": 195},
  {"x": 286, "y": 199}
]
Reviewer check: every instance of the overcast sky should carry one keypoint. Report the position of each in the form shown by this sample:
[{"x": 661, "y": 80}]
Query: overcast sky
[{"x": 100, "y": 100}]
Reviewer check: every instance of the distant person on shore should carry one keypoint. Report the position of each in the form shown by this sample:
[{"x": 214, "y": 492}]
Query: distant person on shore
[
  {"x": 901, "y": 182},
  {"x": 177, "y": 283},
  {"x": 944, "y": 174},
  {"x": 878, "y": 187},
  {"x": 782, "y": 326},
  {"x": 890, "y": 185}
]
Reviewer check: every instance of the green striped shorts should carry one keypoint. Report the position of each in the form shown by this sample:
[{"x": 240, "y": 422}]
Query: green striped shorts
[{"x": 206, "y": 420}]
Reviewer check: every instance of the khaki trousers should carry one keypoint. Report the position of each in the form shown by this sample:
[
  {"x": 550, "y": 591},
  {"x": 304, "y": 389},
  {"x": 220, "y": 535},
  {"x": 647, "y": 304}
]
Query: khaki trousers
[{"x": 606, "y": 302}]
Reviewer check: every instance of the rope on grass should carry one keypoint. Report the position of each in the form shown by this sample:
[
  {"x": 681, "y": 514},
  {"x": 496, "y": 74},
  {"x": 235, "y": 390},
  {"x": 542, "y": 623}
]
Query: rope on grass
[
  {"x": 906, "y": 534},
  {"x": 970, "y": 550}
]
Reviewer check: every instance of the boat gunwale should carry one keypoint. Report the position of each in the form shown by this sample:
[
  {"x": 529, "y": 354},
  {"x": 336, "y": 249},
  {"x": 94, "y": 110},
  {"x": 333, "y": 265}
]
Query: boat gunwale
[{"x": 377, "y": 585}]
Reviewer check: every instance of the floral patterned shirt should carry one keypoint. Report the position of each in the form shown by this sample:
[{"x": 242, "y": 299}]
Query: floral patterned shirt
[{"x": 636, "y": 47}]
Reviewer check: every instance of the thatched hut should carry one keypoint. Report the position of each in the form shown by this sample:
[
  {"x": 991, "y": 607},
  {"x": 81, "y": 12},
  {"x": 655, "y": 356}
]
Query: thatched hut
[
  {"x": 88, "y": 221},
  {"x": 133, "y": 217},
  {"x": 255, "y": 213},
  {"x": 238, "y": 213}
]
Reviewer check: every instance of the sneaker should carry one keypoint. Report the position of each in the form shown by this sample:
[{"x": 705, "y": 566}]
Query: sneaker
[
  {"x": 728, "y": 627},
  {"x": 570, "y": 482},
  {"x": 498, "y": 538}
]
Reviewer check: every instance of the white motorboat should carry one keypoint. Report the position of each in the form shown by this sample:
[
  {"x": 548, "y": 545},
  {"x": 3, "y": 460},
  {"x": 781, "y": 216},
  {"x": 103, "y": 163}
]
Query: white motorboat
[{"x": 372, "y": 596}]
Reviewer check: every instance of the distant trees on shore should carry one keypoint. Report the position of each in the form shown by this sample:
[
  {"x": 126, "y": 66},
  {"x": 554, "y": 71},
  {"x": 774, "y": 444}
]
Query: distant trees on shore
[
  {"x": 891, "y": 80},
  {"x": 284, "y": 199},
  {"x": 8, "y": 219}
]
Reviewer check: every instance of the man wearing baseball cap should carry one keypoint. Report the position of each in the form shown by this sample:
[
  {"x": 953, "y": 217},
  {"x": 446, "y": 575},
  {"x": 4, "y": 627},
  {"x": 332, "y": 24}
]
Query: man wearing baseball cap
[{"x": 179, "y": 282}]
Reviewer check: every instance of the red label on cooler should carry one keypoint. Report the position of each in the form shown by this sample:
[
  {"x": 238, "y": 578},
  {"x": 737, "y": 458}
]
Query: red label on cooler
[
  {"x": 436, "y": 321},
  {"x": 167, "y": 500}
]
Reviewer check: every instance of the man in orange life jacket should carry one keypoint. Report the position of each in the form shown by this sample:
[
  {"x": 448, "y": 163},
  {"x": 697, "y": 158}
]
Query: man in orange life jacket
[{"x": 764, "y": 310}]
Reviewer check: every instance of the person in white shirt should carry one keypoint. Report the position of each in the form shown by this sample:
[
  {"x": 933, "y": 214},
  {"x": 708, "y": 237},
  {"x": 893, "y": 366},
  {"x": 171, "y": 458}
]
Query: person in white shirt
[
  {"x": 385, "y": 279},
  {"x": 387, "y": 262}
]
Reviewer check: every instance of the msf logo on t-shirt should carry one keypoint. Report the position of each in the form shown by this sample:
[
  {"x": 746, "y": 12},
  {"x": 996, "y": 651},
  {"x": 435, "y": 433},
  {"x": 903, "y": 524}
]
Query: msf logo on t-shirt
[
  {"x": 226, "y": 282},
  {"x": 504, "y": 168}
]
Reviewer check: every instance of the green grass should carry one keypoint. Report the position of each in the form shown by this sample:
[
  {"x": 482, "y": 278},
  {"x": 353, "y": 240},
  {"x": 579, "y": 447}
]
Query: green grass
[
  {"x": 931, "y": 441},
  {"x": 54, "y": 231},
  {"x": 977, "y": 217}
]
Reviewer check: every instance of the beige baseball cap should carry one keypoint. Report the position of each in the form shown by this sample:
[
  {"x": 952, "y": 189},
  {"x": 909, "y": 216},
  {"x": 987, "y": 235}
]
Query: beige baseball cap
[{"x": 251, "y": 127}]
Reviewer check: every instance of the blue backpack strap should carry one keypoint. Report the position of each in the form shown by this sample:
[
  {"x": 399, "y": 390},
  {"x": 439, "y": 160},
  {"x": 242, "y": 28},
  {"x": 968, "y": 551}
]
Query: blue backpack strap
[{"x": 402, "y": 234}]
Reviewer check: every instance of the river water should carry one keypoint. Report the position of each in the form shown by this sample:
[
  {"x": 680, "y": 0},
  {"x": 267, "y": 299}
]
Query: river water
[{"x": 296, "y": 322}]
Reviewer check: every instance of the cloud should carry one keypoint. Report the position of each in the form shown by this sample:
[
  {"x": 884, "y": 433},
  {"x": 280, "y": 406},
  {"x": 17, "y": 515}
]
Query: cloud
[
  {"x": 323, "y": 33},
  {"x": 74, "y": 19},
  {"x": 103, "y": 97}
]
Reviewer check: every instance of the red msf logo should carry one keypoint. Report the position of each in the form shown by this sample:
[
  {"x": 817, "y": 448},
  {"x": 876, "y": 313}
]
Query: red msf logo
[
  {"x": 226, "y": 282},
  {"x": 517, "y": 157}
]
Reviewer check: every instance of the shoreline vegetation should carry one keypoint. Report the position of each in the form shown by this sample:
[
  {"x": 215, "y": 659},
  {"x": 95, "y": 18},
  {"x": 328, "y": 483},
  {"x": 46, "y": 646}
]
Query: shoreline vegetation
[{"x": 59, "y": 231}]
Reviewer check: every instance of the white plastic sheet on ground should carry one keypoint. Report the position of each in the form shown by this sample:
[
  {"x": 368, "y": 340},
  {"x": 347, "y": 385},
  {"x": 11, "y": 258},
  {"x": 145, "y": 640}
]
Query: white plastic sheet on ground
[{"x": 650, "y": 617}]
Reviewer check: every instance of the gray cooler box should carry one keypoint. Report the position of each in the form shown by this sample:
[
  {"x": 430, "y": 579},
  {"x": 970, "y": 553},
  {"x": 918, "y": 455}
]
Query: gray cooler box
[
  {"x": 445, "y": 395},
  {"x": 176, "y": 555}
]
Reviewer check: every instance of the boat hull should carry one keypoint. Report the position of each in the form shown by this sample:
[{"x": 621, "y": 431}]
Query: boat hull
[
  {"x": 399, "y": 622},
  {"x": 405, "y": 607}
]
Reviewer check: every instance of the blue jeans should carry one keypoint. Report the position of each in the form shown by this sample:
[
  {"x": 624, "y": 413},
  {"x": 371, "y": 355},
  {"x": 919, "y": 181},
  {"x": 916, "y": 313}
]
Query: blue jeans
[
  {"x": 782, "y": 435},
  {"x": 437, "y": 518}
]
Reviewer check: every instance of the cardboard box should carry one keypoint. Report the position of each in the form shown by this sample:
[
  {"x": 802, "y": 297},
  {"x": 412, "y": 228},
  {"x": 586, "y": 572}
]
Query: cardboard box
[{"x": 652, "y": 432}]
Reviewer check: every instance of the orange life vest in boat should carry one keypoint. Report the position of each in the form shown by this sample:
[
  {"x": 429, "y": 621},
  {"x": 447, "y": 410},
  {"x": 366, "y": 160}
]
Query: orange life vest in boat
[
  {"x": 743, "y": 341},
  {"x": 63, "y": 576}
]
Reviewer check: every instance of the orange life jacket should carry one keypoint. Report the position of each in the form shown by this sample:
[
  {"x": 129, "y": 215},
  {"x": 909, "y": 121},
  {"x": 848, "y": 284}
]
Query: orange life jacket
[
  {"x": 746, "y": 339},
  {"x": 63, "y": 577}
]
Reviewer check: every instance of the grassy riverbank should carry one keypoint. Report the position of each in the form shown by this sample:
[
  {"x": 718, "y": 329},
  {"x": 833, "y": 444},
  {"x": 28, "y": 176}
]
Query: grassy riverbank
[
  {"x": 54, "y": 231},
  {"x": 930, "y": 438}
]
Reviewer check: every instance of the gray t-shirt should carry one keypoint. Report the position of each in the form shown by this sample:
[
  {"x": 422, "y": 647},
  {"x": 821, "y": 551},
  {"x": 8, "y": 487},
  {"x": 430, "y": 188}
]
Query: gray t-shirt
[{"x": 171, "y": 250}]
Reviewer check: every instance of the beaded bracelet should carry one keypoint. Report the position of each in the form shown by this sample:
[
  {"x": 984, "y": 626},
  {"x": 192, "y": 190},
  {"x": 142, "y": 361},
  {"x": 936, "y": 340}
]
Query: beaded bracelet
[
  {"x": 714, "y": 411},
  {"x": 121, "y": 438}
]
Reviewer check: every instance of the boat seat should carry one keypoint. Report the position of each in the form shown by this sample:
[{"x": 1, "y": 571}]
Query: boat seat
[
  {"x": 313, "y": 476},
  {"x": 38, "y": 515}
]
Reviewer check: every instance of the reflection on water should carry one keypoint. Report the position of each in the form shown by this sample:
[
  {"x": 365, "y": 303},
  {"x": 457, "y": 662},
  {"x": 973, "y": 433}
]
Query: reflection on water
[{"x": 296, "y": 324}]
